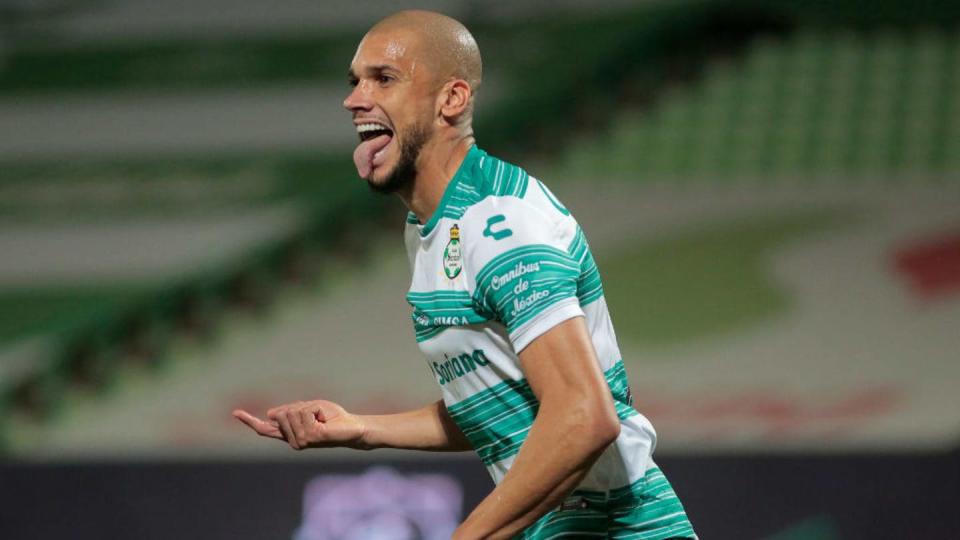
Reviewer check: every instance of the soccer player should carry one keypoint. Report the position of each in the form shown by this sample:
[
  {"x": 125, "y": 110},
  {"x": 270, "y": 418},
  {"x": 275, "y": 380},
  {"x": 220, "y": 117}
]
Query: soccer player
[{"x": 507, "y": 307}]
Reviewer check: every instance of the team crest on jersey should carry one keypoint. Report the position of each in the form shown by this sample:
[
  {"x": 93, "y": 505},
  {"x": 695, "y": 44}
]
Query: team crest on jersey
[{"x": 453, "y": 254}]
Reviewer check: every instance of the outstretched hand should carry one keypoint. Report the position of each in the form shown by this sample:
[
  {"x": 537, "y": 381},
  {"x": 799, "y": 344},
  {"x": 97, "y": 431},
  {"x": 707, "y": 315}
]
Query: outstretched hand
[{"x": 308, "y": 424}]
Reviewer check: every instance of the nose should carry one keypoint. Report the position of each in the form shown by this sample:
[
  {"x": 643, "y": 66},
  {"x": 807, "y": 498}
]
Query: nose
[{"x": 358, "y": 99}]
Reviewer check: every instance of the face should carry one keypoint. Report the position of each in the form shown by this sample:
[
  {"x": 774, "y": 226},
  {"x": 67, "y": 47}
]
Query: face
[{"x": 392, "y": 106}]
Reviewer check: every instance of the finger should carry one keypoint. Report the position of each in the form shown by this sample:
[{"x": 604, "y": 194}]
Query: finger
[
  {"x": 321, "y": 410},
  {"x": 316, "y": 409},
  {"x": 275, "y": 411},
  {"x": 287, "y": 431},
  {"x": 262, "y": 427},
  {"x": 293, "y": 417},
  {"x": 308, "y": 419}
]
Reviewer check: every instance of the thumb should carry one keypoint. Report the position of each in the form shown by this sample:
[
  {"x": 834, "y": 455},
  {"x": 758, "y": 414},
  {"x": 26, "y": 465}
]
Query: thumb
[{"x": 324, "y": 411}]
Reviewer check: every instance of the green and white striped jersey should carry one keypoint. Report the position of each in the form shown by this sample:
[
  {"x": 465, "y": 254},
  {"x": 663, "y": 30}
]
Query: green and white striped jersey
[{"x": 500, "y": 262}]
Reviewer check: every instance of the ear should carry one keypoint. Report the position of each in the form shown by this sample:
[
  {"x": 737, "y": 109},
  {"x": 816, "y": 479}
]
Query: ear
[{"x": 453, "y": 100}]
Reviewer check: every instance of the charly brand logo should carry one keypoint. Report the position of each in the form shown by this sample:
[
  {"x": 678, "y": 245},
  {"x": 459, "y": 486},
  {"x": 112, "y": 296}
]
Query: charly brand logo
[
  {"x": 453, "y": 254},
  {"x": 500, "y": 234}
]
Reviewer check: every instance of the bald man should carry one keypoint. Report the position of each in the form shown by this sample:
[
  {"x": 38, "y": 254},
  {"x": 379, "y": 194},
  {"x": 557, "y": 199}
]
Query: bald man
[{"x": 508, "y": 309}]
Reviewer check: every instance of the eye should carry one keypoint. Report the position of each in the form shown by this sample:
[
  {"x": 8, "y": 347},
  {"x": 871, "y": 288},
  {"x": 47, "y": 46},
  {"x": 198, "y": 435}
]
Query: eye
[
  {"x": 353, "y": 82},
  {"x": 384, "y": 80}
]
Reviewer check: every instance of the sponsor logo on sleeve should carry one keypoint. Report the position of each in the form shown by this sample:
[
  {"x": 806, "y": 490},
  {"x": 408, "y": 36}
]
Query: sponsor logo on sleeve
[{"x": 523, "y": 295}]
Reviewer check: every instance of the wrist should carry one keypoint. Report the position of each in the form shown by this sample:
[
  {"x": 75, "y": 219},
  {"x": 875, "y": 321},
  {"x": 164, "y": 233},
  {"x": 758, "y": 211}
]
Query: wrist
[{"x": 368, "y": 439}]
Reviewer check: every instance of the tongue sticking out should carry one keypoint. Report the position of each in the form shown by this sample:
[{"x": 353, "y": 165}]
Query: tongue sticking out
[{"x": 365, "y": 152}]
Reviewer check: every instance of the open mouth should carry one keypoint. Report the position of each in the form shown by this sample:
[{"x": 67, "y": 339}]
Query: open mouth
[
  {"x": 372, "y": 131},
  {"x": 371, "y": 153}
]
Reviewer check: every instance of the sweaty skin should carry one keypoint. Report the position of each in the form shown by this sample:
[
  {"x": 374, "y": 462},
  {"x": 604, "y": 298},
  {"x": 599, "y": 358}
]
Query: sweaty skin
[
  {"x": 415, "y": 73},
  {"x": 446, "y": 45}
]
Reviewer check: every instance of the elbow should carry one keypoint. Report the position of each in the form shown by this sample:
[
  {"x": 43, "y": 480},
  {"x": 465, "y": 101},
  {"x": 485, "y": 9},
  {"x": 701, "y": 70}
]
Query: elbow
[
  {"x": 585, "y": 422},
  {"x": 608, "y": 427},
  {"x": 604, "y": 426}
]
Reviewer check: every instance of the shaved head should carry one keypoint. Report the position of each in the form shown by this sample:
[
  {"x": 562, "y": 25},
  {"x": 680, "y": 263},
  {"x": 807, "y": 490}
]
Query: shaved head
[{"x": 445, "y": 46}]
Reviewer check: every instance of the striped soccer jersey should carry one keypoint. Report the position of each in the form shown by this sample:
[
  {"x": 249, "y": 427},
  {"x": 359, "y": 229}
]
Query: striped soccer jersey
[{"x": 500, "y": 262}]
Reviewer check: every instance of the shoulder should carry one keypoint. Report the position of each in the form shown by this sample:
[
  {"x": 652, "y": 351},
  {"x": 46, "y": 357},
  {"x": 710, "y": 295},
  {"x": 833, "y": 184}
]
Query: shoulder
[
  {"x": 500, "y": 234},
  {"x": 487, "y": 181},
  {"x": 495, "y": 177},
  {"x": 508, "y": 221},
  {"x": 512, "y": 210}
]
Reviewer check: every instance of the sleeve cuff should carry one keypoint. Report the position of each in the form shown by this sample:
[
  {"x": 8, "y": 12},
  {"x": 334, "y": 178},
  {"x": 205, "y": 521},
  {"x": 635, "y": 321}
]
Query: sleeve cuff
[{"x": 553, "y": 315}]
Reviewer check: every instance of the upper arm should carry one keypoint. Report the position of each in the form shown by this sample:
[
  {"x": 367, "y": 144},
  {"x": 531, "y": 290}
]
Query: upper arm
[
  {"x": 526, "y": 277},
  {"x": 562, "y": 370},
  {"x": 563, "y": 360}
]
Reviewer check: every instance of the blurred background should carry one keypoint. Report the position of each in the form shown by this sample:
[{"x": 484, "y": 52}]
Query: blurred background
[{"x": 771, "y": 189}]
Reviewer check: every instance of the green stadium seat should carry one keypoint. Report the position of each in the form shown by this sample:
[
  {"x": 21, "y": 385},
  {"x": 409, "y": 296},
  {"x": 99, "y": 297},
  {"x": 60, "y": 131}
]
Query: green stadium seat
[{"x": 838, "y": 104}]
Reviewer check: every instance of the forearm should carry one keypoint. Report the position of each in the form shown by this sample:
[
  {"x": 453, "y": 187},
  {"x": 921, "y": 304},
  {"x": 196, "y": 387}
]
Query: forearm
[
  {"x": 427, "y": 428},
  {"x": 562, "y": 446}
]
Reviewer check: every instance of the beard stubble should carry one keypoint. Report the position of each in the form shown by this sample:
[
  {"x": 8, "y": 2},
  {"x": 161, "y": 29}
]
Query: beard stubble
[{"x": 404, "y": 173}]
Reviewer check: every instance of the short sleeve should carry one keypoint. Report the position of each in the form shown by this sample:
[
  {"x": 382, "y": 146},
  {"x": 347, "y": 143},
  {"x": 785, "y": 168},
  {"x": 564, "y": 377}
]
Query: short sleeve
[{"x": 525, "y": 278}]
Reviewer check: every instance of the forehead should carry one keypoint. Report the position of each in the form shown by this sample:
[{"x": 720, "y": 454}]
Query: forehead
[{"x": 398, "y": 48}]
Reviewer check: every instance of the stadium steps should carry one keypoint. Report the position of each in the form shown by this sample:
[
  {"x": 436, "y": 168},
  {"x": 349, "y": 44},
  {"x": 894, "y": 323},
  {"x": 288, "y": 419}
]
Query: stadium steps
[{"x": 820, "y": 105}]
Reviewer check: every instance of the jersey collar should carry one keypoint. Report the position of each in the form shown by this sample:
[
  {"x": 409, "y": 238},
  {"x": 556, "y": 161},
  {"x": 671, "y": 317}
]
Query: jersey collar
[{"x": 463, "y": 175}]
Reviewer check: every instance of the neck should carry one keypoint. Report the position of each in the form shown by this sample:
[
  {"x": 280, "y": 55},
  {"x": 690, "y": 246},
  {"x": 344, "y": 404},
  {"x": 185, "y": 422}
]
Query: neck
[{"x": 436, "y": 166}]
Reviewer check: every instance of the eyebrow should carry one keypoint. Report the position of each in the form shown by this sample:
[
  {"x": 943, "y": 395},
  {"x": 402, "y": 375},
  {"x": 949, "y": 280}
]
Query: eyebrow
[{"x": 352, "y": 75}]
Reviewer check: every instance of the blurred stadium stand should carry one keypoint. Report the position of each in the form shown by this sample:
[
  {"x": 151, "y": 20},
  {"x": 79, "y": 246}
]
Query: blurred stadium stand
[
  {"x": 817, "y": 105},
  {"x": 182, "y": 233}
]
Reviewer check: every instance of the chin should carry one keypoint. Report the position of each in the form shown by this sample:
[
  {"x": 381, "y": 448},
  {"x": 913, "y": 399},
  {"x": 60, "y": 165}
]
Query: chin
[
  {"x": 382, "y": 180},
  {"x": 399, "y": 170},
  {"x": 381, "y": 175}
]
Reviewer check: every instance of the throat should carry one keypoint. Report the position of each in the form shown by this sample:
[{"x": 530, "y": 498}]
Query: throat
[{"x": 434, "y": 178}]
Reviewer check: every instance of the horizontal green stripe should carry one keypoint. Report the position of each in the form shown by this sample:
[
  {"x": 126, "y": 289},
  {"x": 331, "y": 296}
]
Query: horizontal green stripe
[
  {"x": 646, "y": 509},
  {"x": 497, "y": 420},
  {"x": 585, "y": 523},
  {"x": 436, "y": 311},
  {"x": 483, "y": 176},
  {"x": 520, "y": 283},
  {"x": 506, "y": 259},
  {"x": 558, "y": 293},
  {"x": 616, "y": 378},
  {"x": 589, "y": 286},
  {"x": 428, "y": 333},
  {"x": 504, "y": 178},
  {"x": 435, "y": 295}
]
